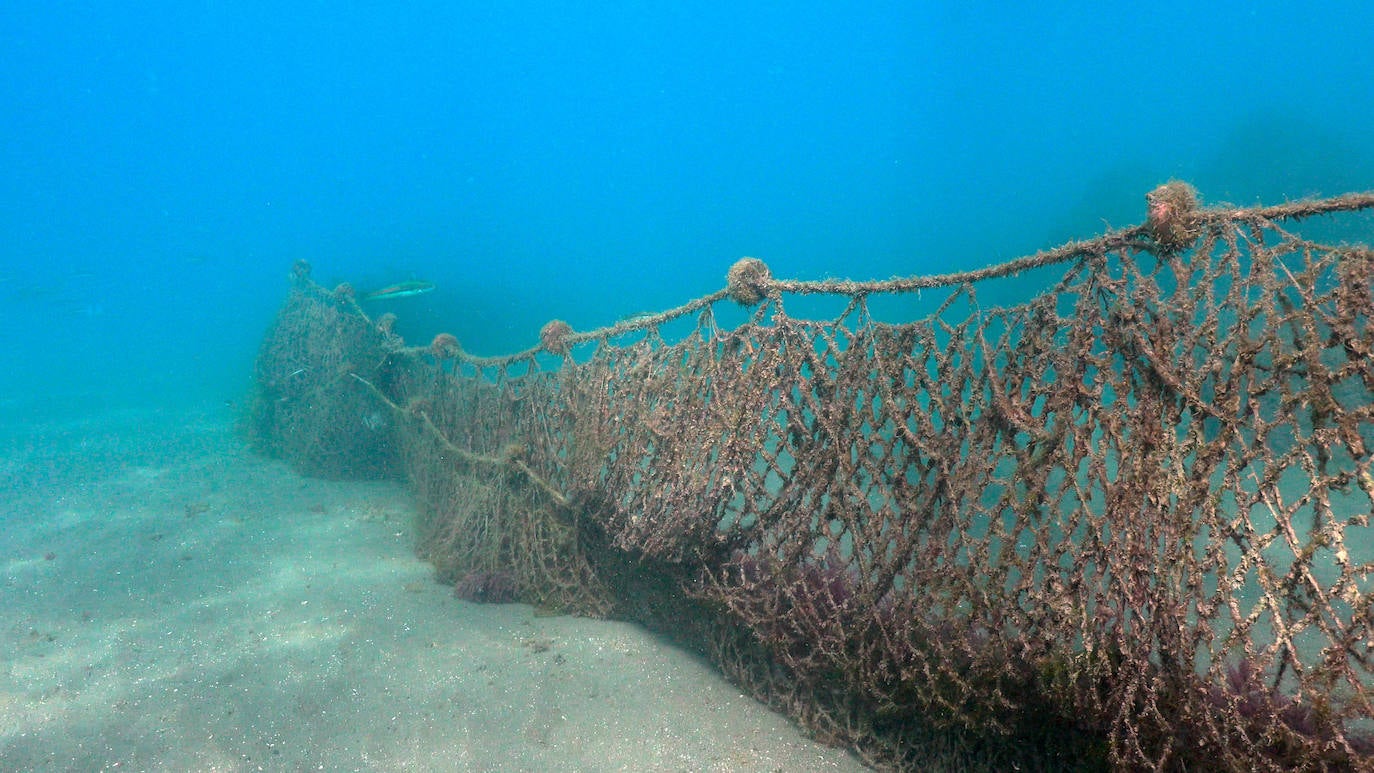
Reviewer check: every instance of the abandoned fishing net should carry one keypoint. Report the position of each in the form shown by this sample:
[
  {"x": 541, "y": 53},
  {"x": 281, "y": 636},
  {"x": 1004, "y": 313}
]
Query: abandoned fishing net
[{"x": 1123, "y": 523}]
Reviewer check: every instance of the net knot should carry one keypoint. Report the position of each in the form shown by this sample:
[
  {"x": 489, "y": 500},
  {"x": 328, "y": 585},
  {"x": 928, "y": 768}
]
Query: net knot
[
  {"x": 748, "y": 281},
  {"x": 445, "y": 346},
  {"x": 1171, "y": 215},
  {"x": 554, "y": 337}
]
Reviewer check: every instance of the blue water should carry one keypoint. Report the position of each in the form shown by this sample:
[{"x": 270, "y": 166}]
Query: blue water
[{"x": 164, "y": 163}]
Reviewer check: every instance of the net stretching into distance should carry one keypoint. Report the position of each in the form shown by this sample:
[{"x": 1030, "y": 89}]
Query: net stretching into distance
[{"x": 1124, "y": 523}]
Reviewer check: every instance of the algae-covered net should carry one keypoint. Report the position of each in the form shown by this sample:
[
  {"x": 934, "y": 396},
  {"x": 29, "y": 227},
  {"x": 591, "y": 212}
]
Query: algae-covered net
[{"x": 1122, "y": 523}]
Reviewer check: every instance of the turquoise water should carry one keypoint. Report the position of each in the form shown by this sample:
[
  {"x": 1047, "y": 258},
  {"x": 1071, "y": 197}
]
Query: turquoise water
[{"x": 164, "y": 165}]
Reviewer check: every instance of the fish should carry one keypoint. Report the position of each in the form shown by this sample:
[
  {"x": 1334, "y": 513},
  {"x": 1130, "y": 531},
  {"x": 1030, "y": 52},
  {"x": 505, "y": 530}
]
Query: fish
[{"x": 400, "y": 290}]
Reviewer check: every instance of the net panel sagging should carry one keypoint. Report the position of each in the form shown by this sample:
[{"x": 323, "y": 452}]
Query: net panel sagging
[{"x": 1127, "y": 519}]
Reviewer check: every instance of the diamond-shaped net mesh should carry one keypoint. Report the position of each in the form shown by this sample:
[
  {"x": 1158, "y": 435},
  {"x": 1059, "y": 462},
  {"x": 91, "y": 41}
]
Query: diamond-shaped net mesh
[{"x": 1124, "y": 523}]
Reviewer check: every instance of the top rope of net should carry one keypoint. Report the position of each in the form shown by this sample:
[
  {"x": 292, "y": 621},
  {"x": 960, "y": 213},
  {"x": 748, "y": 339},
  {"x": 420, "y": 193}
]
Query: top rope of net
[{"x": 1174, "y": 220}]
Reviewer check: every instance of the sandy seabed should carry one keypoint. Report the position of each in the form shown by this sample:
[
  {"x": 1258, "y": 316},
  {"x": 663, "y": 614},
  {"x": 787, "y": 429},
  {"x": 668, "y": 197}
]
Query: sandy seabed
[{"x": 172, "y": 601}]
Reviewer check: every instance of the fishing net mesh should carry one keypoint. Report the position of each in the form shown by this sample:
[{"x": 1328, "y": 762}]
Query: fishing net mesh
[{"x": 1124, "y": 523}]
